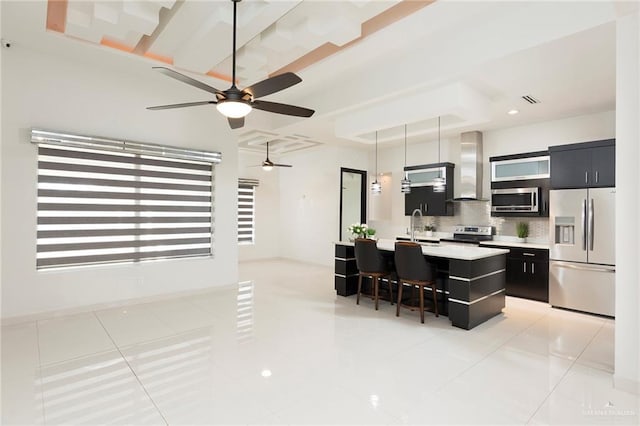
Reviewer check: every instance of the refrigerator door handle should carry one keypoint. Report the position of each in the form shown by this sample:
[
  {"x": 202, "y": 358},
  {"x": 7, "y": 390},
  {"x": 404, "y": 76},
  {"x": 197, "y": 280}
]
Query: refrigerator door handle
[
  {"x": 584, "y": 225},
  {"x": 583, "y": 268},
  {"x": 591, "y": 220}
]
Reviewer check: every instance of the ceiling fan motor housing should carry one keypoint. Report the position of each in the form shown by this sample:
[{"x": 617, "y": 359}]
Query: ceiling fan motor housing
[{"x": 235, "y": 103}]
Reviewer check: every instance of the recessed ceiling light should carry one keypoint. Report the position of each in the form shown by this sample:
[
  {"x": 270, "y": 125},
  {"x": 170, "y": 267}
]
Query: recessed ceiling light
[{"x": 513, "y": 112}]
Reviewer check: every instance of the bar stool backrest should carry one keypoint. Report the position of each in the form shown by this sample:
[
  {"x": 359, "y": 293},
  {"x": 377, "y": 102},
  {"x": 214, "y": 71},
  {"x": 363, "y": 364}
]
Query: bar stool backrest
[
  {"x": 368, "y": 257},
  {"x": 410, "y": 262}
]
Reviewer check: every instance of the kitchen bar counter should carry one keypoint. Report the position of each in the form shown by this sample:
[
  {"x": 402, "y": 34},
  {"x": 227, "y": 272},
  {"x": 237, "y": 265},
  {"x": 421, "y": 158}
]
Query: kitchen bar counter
[
  {"x": 495, "y": 242},
  {"x": 470, "y": 284},
  {"x": 458, "y": 252}
]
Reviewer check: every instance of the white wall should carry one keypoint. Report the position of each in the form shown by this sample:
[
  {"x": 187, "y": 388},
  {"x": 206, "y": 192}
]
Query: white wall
[
  {"x": 267, "y": 207},
  {"x": 309, "y": 195},
  {"x": 47, "y": 91},
  {"x": 310, "y": 201},
  {"x": 627, "y": 333},
  {"x": 540, "y": 136},
  {"x": 512, "y": 140},
  {"x": 391, "y": 162}
]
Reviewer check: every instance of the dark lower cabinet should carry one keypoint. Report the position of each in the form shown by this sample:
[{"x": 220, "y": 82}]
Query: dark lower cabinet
[
  {"x": 528, "y": 273},
  {"x": 346, "y": 270}
]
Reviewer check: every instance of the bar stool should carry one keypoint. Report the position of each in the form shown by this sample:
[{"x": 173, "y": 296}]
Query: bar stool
[
  {"x": 413, "y": 269},
  {"x": 370, "y": 263}
]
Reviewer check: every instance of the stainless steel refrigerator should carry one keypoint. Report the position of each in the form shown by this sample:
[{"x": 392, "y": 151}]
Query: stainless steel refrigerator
[{"x": 582, "y": 253}]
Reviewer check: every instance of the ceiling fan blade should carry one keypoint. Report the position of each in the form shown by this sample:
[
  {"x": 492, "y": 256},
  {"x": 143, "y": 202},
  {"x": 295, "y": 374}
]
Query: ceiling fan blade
[
  {"x": 236, "y": 123},
  {"x": 188, "y": 104},
  {"x": 282, "y": 165},
  {"x": 188, "y": 80},
  {"x": 282, "y": 108},
  {"x": 273, "y": 84}
]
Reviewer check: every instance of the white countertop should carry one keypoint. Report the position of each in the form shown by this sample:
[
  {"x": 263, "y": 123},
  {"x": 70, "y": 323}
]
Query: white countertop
[
  {"x": 506, "y": 242},
  {"x": 447, "y": 251}
]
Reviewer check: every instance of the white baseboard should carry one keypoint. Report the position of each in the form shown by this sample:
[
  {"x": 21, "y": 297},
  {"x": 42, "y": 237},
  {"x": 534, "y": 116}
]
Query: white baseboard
[
  {"x": 109, "y": 305},
  {"x": 626, "y": 384}
]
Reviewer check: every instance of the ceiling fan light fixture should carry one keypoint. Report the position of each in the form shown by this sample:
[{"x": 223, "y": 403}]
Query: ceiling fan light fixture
[
  {"x": 267, "y": 167},
  {"x": 233, "y": 109}
]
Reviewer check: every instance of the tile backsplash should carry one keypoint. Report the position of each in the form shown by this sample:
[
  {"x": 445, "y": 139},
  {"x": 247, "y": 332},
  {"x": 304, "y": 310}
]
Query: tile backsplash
[
  {"x": 468, "y": 213},
  {"x": 479, "y": 213}
]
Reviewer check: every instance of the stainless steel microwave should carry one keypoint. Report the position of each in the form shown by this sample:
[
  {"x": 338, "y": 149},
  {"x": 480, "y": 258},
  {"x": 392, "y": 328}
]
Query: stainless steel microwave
[{"x": 515, "y": 200}]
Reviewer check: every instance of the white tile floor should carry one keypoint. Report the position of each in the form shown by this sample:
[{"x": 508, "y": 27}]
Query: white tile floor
[{"x": 282, "y": 348}]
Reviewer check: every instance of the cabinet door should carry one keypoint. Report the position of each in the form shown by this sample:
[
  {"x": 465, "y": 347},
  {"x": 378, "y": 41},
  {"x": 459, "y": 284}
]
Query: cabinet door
[
  {"x": 435, "y": 203},
  {"x": 537, "y": 281},
  {"x": 571, "y": 169},
  {"x": 514, "y": 277},
  {"x": 415, "y": 200},
  {"x": 527, "y": 278},
  {"x": 603, "y": 166}
]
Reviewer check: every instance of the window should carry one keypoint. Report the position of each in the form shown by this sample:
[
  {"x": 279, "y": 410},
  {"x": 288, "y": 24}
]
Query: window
[
  {"x": 246, "y": 211},
  {"x": 97, "y": 206}
]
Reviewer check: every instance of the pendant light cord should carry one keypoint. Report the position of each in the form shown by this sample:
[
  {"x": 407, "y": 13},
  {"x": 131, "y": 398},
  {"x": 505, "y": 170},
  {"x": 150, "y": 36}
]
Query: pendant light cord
[
  {"x": 438, "y": 139},
  {"x": 405, "y": 145},
  {"x": 376, "y": 177}
]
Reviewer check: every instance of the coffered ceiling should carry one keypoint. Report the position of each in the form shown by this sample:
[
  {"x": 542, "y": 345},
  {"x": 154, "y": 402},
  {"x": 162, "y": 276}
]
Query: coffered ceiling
[
  {"x": 366, "y": 65},
  {"x": 196, "y": 36}
]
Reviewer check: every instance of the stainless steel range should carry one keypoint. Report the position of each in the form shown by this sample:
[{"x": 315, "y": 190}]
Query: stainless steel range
[{"x": 464, "y": 234}]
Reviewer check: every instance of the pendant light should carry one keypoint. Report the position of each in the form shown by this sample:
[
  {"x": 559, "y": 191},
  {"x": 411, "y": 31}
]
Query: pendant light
[
  {"x": 405, "y": 184},
  {"x": 376, "y": 187},
  {"x": 439, "y": 183}
]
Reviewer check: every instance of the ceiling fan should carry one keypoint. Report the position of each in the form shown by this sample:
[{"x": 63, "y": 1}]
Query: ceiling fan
[
  {"x": 268, "y": 165},
  {"x": 234, "y": 103}
]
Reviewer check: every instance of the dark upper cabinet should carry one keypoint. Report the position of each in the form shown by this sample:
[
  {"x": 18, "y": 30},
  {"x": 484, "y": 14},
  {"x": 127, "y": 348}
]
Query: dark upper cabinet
[
  {"x": 583, "y": 165},
  {"x": 422, "y": 195},
  {"x": 570, "y": 169},
  {"x": 415, "y": 199},
  {"x": 429, "y": 203},
  {"x": 603, "y": 166},
  {"x": 524, "y": 170}
]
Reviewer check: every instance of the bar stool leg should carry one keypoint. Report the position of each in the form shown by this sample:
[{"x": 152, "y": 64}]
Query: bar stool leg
[
  {"x": 375, "y": 289},
  {"x": 359, "y": 289},
  {"x": 435, "y": 299},
  {"x": 399, "y": 298},
  {"x": 390, "y": 290},
  {"x": 421, "y": 304}
]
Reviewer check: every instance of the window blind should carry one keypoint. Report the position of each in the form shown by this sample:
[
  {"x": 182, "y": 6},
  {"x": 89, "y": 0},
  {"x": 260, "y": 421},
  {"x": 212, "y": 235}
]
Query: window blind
[
  {"x": 246, "y": 211},
  {"x": 96, "y": 206}
]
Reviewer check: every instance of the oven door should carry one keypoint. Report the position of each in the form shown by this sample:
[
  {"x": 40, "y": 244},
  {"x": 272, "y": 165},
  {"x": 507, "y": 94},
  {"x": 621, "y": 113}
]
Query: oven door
[{"x": 510, "y": 200}]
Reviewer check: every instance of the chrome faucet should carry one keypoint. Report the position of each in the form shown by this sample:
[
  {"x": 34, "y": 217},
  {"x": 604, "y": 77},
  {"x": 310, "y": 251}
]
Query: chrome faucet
[{"x": 413, "y": 227}]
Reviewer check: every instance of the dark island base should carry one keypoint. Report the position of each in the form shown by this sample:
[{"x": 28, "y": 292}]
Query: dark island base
[{"x": 469, "y": 291}]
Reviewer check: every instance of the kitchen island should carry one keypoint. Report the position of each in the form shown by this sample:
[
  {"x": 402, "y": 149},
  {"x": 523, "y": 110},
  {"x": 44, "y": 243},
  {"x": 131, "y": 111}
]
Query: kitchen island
[{"x": 470, "y": 283}]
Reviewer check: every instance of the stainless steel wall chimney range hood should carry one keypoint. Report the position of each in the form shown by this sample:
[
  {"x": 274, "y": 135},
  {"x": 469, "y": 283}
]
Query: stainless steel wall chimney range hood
[{"x": 470, "y": 167}]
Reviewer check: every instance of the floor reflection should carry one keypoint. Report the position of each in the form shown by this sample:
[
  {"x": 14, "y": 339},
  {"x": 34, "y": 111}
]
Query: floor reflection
[
  {"x": 96, "y": 389},
  {"x": 245, "y": 311}
]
